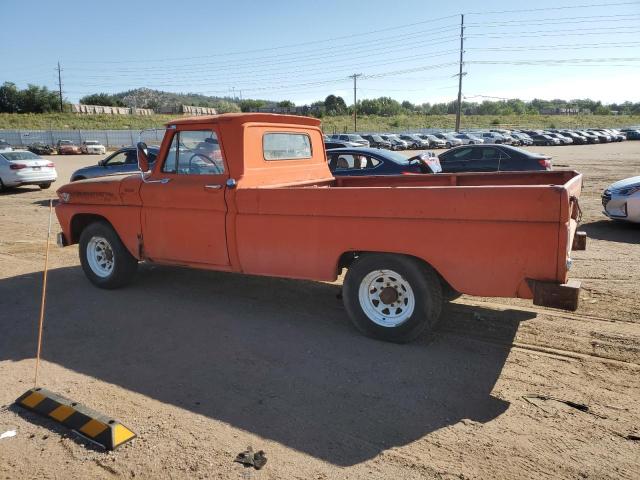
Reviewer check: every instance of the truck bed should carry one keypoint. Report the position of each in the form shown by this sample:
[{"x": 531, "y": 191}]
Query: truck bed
[{"x": 509, "y": 227}]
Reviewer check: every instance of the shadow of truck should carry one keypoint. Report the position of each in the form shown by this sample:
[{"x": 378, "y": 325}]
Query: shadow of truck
[{"x": 275, "y": 357}]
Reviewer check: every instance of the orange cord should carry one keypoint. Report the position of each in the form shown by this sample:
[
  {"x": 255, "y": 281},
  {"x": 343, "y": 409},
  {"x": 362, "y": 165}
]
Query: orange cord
[{"x": 44, "y": 296}]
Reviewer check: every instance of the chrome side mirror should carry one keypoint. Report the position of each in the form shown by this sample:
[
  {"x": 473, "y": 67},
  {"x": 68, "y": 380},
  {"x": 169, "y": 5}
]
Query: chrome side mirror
[{"x": 143, "y": 159}]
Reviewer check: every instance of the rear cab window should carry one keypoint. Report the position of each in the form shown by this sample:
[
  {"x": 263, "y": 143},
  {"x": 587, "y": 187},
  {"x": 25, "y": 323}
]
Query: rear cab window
[{"x": 286, "y": 146}]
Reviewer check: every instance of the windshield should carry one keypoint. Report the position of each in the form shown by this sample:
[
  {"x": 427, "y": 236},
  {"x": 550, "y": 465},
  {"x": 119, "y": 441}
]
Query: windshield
[
  {"x": 91, "y": 142},
  {"x": 65, "y": 142},
  {"x": 377, "y": 138},
  {"x": 12, "y": 156}
]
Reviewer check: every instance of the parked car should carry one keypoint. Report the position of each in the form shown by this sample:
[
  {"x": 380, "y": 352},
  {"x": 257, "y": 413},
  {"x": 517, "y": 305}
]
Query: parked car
[
  {"x": 632, "y": 134},
  {"x": 433, "y": 141},
  {"x": 67, "y": 147},
  {"x": 492, "y": 158},
  {"x": 414, "y": 141},
  {"x": 93, "y": 147},
  {"x": 21, "y": 167},
  {"x": 602, "y": 136},
  {"x": 591, "y": 138},
  {"x": 5, "y": 147},
  {"x": 339, "y": 144},
  {"x": 577, "y": 139},
  {"x": 124, "y": 160},
  {"x": 492, "y": 137},
  {"x": 621, "y": 200},
  {"x": 371, "y": 161},
  {"x": 396, "y": 142},
  {"x": 350, "y": 137},
  {"x": 563, "y": 140},
  {"x": 407, "y": 241},
  {"x": 449, "y": 139},
  {"x": 40, "y": 148},
  {"x": 376, "y": 141},
  {"x": 521, "y": 139},
  {"x": 544, "y": 140},
  {"x": 469, "y": 139},
  {"x": 617, "y": 135}
]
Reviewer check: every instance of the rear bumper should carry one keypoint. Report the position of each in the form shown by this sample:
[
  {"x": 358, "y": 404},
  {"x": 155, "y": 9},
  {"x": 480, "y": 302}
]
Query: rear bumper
[{"x": 564, "y": 296}]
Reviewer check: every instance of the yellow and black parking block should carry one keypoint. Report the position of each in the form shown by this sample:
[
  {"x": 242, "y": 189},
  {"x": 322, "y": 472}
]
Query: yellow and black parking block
[{"x": 96, "y": 427}]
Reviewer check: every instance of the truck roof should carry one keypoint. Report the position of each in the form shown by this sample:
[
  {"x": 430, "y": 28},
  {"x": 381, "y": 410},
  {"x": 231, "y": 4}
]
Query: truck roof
[{"x": 240, "y": 118}]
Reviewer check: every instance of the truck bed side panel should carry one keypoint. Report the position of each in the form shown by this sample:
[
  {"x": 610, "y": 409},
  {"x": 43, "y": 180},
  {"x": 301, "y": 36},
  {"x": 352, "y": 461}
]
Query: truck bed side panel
[{"x": 469, "y": 234}]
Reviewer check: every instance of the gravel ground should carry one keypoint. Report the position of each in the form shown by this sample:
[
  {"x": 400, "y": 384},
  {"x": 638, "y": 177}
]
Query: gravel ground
[{"x": 203, "y": 364}]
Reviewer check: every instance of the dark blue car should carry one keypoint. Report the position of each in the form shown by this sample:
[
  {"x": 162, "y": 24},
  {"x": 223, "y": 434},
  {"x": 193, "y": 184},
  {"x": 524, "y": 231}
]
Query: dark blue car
[
  {"x": 124, "y": 160},
  {"x": 375, "y": 161}
]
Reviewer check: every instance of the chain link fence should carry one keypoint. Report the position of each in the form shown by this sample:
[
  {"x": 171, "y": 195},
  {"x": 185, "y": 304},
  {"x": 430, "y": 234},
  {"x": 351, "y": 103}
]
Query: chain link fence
[{"x": 108, "y": 138}]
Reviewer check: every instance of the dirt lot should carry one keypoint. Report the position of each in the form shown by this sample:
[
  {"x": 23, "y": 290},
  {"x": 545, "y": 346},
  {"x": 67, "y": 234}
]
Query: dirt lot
[{"x": 203, "y": 364}]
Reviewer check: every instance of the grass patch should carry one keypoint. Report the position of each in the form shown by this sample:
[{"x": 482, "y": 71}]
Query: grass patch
[{"x": 62, "y": 121}]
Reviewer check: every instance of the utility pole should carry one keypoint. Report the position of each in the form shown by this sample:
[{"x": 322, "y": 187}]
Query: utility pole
[
  {"x": 60, "y": 84},
  {"x": 459, "y": 109},
  {"x": 355, "y": 77}
]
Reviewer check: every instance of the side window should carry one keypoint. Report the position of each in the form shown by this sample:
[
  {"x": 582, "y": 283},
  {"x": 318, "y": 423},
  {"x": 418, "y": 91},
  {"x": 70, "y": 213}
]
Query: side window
[
  {"x": 132, "y": 158},
  {"x": 463, "y": 154},
  {"x": 355, "y": 162},
  {"x": 194, "y": 152},
  {"x": 117, "y": 159}
]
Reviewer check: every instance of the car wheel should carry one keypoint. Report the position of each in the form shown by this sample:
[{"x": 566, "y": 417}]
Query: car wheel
[
  {"x": 471, "y": 143},
  {"x": 105, "y": 260},
  {"x": 394, "y": 298},
  {"x": 44, "y": 186},
  {"x": 448, "y": 145},
  {"x": 2, "y": 187}
]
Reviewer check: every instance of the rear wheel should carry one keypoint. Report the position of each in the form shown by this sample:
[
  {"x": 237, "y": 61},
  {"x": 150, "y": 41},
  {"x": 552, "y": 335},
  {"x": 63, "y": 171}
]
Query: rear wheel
[
  {"x": 448, "y": 145},
  {"x": 471, "y": 143},
  {"x": 105, "y": 260},
  {"x": 44, "y": 186},
  {"x": 395, "y": 298}
]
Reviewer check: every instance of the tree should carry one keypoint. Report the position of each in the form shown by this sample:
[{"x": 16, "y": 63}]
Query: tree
[
  {"x": 103, "y": 99},
  {"x": 251, "y": 105},
  {"x": 334, "y": 105},
  {"x": 408, "y": 106},
  {"x": 36, "y": 99},
  {"x": 224, "y": 106},
  {"x": 9, "y": 98},
  {"x": 286, "y": 104}
]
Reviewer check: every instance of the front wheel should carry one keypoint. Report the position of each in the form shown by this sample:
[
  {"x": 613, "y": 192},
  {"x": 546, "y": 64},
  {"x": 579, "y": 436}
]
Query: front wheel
[
  {"x": 44, "y": 186},
  {"x": 448, "y": 145},
  {"x": 395, "y": 298},
  {"x": 105, "y": 260}
]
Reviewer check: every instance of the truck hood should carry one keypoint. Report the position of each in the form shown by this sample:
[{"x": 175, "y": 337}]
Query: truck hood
[{"x": 111, "y": 190}]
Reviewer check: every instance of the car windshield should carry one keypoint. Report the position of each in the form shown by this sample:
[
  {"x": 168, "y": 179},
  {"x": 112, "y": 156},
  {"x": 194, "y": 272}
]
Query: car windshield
[
  {"x": 13, "y": 156},
  {"x": 377, "y": 138},
  {"x": 91, "y": 142},
  {"x": 66, "y": 142}
]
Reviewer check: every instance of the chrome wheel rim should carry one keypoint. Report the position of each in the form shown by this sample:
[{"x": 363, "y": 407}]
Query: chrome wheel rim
[
  {"x": 386, "y": 298},
  {"x": 100, "y": 256}
]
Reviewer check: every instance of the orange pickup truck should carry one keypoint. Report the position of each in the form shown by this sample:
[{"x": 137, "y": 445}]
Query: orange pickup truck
[{"x": 252, "y": 193}]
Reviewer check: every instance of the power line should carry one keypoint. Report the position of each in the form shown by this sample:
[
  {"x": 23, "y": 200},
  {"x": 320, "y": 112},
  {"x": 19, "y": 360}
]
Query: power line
[{"x": 564, "y": 7}]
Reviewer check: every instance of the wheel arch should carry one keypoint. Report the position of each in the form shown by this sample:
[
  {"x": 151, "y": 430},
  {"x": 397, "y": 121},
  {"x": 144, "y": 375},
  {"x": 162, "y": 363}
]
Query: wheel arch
[
  {"x": 347, "y": 258},
  {"x": 80, "y": 221}
]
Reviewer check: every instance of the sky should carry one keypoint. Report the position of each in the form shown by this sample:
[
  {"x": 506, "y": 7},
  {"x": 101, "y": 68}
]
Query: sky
[{"x": 305, "y": 50}]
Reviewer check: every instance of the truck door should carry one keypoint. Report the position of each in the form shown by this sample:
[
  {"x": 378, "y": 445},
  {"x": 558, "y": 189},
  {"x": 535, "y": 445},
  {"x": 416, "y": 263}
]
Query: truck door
[{"x": 184, "y": 208}]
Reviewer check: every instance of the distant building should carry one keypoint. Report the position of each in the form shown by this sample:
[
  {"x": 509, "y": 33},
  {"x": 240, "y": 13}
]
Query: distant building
[
  {"x": 187, "y": 110},
  {"x": 564, "y": 111},
  {"x": 302, "y": 110},
  {"x": 103, "y": 110}
]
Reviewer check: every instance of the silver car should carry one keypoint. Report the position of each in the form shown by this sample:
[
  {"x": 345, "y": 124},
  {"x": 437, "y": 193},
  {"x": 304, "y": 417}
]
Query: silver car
[
  {"x": 124, "y": 160},
  {"x": 621, "y": 200}
]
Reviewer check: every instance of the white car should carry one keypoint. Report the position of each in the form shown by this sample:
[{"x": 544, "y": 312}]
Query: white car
[
  {"x": 5, "y": 147},
  {"x": 25, "y": 168},
  {"x": 621, "y": 200},
  {"x": 93, "y": 147},
  {"x": 469, "y": 139}
]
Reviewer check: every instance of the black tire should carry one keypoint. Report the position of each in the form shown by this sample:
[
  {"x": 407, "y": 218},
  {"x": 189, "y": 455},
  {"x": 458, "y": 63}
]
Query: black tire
[
  {"x": 471, "y": 143},
  {"x": 124, "y": 264},
  {"x": 1, "y": 186},
  {"x": 448, "y": 292},
  {"x": 44, "y": 186},
  {"x": 448, "y": 145},
  {"x": 424, "y": 283}
]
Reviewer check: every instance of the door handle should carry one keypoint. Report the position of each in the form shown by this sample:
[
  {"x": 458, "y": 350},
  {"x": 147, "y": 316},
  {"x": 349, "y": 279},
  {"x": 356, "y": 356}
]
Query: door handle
[{"x": 213, "y": 187}]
